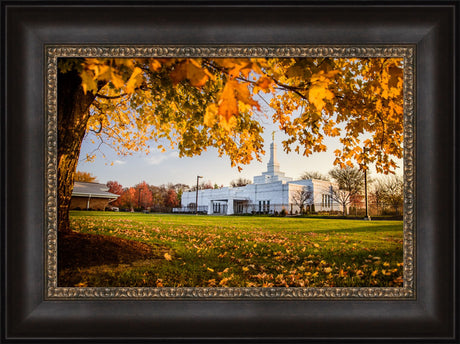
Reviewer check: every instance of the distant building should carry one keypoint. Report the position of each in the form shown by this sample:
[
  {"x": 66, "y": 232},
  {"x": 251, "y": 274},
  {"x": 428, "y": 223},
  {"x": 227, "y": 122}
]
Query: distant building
[
  {"x": 91, "y": 196},
  {"x": 272, "y": 191}
]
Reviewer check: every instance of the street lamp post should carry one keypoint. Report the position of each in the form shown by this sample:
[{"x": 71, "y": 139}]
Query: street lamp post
[
  {"x": 366, "y": 217},
  {"x": 197, "y": 185},
  {"x": 365, "y": 197}
]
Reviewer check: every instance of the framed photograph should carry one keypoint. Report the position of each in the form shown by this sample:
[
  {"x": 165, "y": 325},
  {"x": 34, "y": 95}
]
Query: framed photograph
[
  {"x": 196, "y": 98},
  {"x": 233, "y": 229}
]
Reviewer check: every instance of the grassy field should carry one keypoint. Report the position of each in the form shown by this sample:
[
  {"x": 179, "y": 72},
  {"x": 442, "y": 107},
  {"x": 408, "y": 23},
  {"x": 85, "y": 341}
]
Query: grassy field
[{"x": 244, "y": 251}]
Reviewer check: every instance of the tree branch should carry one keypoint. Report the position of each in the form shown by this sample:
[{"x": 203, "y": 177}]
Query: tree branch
[{"x": 111, "y": 97}]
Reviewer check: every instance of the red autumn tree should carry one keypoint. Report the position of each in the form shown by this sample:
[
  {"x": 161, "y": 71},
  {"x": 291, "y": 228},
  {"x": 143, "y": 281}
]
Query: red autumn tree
[
  {"x": 128, "y": 198},
  {"x": 116, "y": 188},
  {"x": 171, "y": 199},
  {"x": 144, "y": 195}
]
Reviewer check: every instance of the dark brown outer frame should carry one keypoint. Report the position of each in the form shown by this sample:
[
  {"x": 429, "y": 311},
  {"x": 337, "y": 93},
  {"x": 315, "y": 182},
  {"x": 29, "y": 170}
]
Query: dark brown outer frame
[{"x": 27, "y": 27}]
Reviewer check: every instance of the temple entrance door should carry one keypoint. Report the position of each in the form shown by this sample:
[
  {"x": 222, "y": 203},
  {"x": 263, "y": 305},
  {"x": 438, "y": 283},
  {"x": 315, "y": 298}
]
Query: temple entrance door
[
  {"x": 220, "y": 208},
  {"x": 240, "y": 207}
]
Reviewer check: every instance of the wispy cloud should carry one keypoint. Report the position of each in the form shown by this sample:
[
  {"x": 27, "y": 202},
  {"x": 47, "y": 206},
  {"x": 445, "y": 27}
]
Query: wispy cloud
[
  {"x": 155, "y": 159},
  {"x": 119, "y": 162},
  {"x": 158, "y": 159}
]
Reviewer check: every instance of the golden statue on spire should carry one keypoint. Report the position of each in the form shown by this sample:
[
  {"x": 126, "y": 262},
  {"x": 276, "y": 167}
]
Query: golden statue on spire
[{"x": 273, "y": 136}]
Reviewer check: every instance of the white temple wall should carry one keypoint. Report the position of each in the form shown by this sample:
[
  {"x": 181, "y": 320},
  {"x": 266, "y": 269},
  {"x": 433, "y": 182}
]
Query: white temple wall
[
  {"x": 272, "y": 190},
  {"x": 278, "y": 195}
]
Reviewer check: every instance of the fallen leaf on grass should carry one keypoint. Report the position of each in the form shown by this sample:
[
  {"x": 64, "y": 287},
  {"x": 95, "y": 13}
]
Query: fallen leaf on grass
[
  {"x": 399, "y": 279},
  {"x": 81, "y": 284}
]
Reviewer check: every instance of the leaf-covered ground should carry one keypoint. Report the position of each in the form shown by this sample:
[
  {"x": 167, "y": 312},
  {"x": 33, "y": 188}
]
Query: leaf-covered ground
[{"x": 234, "y": 251}]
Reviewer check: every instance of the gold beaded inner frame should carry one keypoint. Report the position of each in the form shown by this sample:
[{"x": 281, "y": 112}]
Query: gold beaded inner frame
[{"x": 53, "y": 291}]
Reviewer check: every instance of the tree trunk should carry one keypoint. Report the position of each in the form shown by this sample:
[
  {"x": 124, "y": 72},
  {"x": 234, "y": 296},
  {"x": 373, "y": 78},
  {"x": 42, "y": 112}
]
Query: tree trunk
[{"x": 73, "y": 114}]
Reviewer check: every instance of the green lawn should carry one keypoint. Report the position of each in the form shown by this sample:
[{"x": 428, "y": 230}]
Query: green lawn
[{"x": 246, "y": 251}]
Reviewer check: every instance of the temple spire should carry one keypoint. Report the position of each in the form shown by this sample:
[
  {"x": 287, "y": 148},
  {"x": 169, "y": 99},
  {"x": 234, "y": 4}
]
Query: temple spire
[
  {"x": 273, "y": 164},
  {"x": 273, "y": 173}
]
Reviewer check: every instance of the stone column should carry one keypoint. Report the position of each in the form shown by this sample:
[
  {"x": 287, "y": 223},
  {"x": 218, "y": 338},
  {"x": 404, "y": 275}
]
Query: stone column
[
  {"x": 230, "y": 207},
  {"x": 211, "y": 208}
]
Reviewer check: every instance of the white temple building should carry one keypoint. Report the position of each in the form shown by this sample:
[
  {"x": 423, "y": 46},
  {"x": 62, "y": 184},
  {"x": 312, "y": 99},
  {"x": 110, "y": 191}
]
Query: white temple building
[{"x": 271, "y": 192}]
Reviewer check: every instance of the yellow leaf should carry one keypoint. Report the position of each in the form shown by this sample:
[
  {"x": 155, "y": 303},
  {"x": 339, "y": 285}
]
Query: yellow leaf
[
  {"x": 117, "y": 80},
  {"x": 317, "y": 94},
  {"x": 228, "y": 105},
  {"x": 242, "y": 94},
  {"x": 210, "y": 116},
  {"x": 236, "y": 66},
  {"x": 224, "y": 281},
  {"x": 316, "y": 245},
  {"x": 167, "y": 61},
  {"x": 135, "y": 80},
  {"x": 209, "y": 269},
  {"x": 87, "y": 81},
  {"x": 101, "y": 71},
  {"x": 396, "y": 75},
  {"x": 81, "y": 284},
  {"x": 190, "y": 70},
  {"x": 264, "y": 82},
  {"x": 155, "y": 65},
  {"x": 212, "y": 282},
  {"x": 167, "y": 256},
  {"x": 399, "y": 279},
  {"x": 319, "y": 91},
  {"x": 124, "y": 62}
]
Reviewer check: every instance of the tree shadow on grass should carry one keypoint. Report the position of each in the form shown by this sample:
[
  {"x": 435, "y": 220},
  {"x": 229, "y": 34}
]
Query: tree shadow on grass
[{"x": 79, "y": 250}]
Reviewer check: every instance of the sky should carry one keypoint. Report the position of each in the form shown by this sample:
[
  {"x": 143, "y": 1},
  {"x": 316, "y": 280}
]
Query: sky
[{"x": 159, "y": 168}]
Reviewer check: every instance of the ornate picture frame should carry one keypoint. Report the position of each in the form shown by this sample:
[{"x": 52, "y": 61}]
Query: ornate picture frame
[{"x": 406, "y": 53}]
